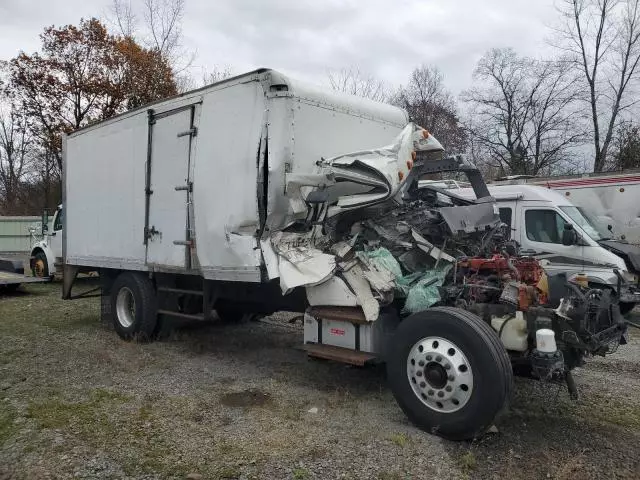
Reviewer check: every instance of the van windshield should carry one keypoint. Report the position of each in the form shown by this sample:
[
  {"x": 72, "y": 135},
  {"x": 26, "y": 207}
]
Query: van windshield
[{"x": 586, "y": 222}]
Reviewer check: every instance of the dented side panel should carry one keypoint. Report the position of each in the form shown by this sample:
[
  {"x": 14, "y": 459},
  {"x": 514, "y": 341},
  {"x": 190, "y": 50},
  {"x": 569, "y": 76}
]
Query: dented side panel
[{"x": 225, "y": 178}]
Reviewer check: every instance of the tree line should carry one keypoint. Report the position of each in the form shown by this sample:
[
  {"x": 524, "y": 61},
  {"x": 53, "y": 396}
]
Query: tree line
[{"x": 572, "y": 112}]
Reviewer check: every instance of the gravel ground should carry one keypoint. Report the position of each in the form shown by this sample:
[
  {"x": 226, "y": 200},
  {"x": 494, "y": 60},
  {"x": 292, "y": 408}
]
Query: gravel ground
[{"x": 241, "y": 401}]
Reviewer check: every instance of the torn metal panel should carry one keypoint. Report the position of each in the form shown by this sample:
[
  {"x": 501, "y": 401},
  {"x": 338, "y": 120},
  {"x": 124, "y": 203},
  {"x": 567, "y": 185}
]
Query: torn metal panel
[
  {"x": 471, "y": 218},
  {"x": 431, "y": 249},
  {"x": 383, "y": 169},
  {"x": 301, "y": 263},
  {"x": 355, "y": 277},
  {"x": 333, "y": 292}
]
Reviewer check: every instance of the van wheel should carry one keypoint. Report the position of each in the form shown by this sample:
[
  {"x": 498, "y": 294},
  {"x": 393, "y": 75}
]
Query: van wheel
[
  {"x": 40, "y": 266},
  {"x": 134, "y": 306},
  {"x": 449, "y": 372}
]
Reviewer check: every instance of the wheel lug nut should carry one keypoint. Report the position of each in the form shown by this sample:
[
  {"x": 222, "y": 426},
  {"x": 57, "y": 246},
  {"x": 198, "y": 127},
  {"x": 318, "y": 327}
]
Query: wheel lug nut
[
  {"x": 448, "y": 388},
  {"x": 438, "y": 358},
  {"x": 447, "y": 366},
  {"x": 419, "y": 373},
  {"x": 430, "y": 392},
  {"x": 441, "y": 394},
  {"x": 422, "y": 384},
  {"x": 421, "y": 363},
  {"x": 429, "y": 357}
]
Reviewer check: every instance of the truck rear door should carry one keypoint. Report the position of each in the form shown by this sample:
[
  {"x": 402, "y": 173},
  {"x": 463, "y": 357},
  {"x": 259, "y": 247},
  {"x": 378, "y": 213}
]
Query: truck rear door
[{"x": 169, "y": 188}]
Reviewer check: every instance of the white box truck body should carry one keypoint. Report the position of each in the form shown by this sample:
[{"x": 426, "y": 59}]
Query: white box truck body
[{"x": 188, "y": 184}]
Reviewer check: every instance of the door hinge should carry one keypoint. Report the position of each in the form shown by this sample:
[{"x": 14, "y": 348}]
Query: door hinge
[
  {"x": 188, "y": 187},
  {"x": 192, "y": 132}
]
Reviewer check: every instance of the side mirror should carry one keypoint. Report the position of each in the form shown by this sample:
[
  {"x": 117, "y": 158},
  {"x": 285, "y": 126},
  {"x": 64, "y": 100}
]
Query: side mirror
[
  {"x": 569, "y": 235},
  {"x": 610, "y": 227}
]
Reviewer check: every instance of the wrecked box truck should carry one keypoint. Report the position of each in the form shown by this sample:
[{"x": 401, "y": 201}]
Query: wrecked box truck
[{"x": 260, "y": 193}]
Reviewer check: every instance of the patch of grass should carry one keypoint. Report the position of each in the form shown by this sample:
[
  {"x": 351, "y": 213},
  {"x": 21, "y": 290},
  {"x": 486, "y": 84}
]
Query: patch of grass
[
  {"x": 468, "y": 462},
  {"x": 399, "y": 439},
  {"x": 8, "y": 416},
  {"x": 56, "y": 413},
  {"x": 228, "y": 473},
  {"x": 301, "y": 473},
  {"x": 389, "y": 475}
]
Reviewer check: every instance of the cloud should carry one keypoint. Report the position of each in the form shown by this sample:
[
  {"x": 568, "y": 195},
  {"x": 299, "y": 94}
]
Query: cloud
[{"x": 305, "y": 38}]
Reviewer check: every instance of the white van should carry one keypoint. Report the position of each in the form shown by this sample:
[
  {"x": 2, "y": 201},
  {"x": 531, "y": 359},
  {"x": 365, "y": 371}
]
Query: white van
[{"x": 537, "y": 217}]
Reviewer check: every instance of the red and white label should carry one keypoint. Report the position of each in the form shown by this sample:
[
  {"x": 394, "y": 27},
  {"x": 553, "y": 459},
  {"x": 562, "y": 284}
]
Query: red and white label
[{"x": 336, "y": 331}]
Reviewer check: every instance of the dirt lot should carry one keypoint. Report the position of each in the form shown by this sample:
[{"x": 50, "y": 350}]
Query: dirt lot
[{"x": 240, "y": 401}]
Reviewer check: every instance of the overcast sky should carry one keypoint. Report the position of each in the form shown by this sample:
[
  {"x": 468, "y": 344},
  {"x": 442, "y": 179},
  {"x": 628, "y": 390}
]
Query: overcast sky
[{"x": 305, "y": 38}]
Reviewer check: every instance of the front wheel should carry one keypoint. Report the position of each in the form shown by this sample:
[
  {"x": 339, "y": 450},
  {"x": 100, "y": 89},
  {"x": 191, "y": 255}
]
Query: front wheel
[
  {"x": 40, "y": 266},
  {"x": 449, "y": 372}
]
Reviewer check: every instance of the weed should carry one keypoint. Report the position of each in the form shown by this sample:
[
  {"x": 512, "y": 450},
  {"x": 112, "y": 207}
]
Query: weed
[
  {"x": 301, "y": 473},
  {"x": 228, "y": 473},
  {"x": 389, "y": 475},
  {"x": 468, "y": 462},
  {"x": 399, "y": 439}
]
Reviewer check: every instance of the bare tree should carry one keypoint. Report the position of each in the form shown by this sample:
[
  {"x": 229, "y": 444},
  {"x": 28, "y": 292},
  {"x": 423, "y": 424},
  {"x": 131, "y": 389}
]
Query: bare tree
[
  {"x": 430, "y": 105},
  {"x": 216, "y": 75},
  {"x": 123, "y": 17},
  {"x": 602, "y": 40},
  {"x": 15, "y": 158},
  {"x": 353, "y": 81},
  {"x": 163, "y": 18},
  {"x": 523, "y": 114},
  {"x": 161, "y": 31}
]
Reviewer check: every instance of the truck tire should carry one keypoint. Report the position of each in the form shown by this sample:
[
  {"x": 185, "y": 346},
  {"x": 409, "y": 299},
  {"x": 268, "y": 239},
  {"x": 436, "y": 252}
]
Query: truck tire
[
  {"x": 40, "y": 266},
  {"x": 134, "y": 306},
  {"x": 449, "y": 372}
]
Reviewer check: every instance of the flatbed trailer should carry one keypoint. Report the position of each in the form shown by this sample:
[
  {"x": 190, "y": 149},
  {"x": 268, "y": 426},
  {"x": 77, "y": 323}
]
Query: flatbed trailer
[{"x": 12, "y": 275}]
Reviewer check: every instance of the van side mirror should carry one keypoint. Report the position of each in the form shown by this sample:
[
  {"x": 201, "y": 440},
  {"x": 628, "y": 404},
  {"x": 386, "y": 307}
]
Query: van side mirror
[{"x": 569, "y": 235}]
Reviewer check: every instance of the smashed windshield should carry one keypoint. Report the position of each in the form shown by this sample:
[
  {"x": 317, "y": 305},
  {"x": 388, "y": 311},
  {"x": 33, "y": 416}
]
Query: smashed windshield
[{"x": 586, "y": 222}]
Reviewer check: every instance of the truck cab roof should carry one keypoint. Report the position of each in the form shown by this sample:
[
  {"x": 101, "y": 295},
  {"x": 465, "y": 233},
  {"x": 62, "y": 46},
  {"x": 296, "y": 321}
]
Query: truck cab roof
[{"x": 520, "y": 192}]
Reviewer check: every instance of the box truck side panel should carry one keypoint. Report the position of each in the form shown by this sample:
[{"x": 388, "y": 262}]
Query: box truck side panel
[
  {"x": 616, "y": 205},
  {"x": 226, "y": 182},
  {"x": 105, "y": 200}
]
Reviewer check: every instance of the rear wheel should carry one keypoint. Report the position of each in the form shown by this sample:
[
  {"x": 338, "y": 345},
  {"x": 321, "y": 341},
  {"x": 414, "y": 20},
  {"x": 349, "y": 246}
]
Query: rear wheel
[
  {"x": 134, "y": 306},
  {"x": 449, "y": 372}
]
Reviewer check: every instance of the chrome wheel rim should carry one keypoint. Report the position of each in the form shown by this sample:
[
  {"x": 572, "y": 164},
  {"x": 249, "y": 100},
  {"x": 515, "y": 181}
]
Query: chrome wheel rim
[
  {"x": 125, "y": 307},
  {"x": 440, "y": 374}
]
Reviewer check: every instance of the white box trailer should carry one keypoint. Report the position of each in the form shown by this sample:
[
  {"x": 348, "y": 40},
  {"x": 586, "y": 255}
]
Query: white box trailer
[{"x": 188, "y": 185}]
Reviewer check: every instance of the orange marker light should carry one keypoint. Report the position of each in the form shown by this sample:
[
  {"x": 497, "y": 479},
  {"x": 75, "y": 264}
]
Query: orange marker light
[
  {"x": 409, "y": 164},
  {"x": 413, "y": 155},
  {"x": 400, "y": 176},
  {"x": 425, "y": 133}
]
